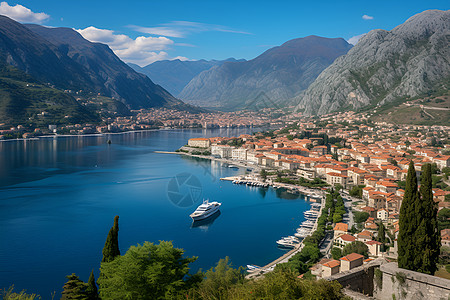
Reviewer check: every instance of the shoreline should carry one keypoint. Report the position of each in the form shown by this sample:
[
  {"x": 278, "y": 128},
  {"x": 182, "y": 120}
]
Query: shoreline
[
  {"x": 110, "y": 133},
  {"x": 303, "y": 190}
]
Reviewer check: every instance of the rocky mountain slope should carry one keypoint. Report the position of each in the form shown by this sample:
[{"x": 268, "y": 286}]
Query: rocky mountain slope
[
  {"x": 408, "y": 61},
  {"x": 280, "y": 73},
  {"x": 175, "y": 74},
  {"x": 63, "y": 58}
]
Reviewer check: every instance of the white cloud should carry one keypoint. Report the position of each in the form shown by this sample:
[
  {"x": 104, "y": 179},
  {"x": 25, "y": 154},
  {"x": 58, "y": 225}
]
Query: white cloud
[
  {"x": 366, "y": 17},
  {"x": 141, "y": 51},
  {"x": 22, "y": 14},
  {"x": 180, "y": 29},
  {"x": 355, "y": 39}
]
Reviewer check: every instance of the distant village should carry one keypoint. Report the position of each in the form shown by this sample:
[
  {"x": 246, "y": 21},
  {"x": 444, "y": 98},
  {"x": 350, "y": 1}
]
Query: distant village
[
  {"x": 368, "y": 162},
  {"x": 155, "y": 118}
]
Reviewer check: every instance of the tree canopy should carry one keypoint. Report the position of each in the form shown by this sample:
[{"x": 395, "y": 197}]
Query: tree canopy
[
  {"x": 111, "y": 248},
  {"x": 356, "y": 247},
  {"x": 419, "y": 237},
  {"x": 157, "y": 270}
]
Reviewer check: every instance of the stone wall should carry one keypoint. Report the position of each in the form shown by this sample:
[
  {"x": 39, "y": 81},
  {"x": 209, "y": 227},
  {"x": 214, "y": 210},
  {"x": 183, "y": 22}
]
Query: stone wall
[
  {"x": 360, "y": 279},
  {"x": 404, "y": 284}
]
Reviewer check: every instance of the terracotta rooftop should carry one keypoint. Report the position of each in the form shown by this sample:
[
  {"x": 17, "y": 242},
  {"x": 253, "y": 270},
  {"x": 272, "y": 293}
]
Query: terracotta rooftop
[
  {"x": 341, "y": 227},
  {"x": 352, "y": 257},
  {"x": 332, "y": 264},
  {"x": 347, "y": 237}
]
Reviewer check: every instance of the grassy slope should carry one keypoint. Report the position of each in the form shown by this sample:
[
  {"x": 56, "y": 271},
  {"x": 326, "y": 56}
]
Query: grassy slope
[{"x": 403, "y": 114}]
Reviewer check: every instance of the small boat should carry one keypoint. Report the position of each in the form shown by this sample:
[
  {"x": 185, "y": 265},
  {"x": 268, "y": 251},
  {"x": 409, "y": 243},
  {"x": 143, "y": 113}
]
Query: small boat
[
  {"x": 205, "y": 210},
  {"x": 252, "y": 268},
  {"x": 288, "y": 242}
]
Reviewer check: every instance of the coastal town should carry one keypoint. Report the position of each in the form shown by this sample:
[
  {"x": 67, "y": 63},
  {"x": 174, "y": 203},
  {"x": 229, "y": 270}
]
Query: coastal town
[
  {"x": 149, "y": 119},
  {"x": 366, "y": 162}
]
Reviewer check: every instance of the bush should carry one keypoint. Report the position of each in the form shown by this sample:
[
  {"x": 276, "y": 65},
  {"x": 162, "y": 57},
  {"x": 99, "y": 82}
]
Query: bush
[
  {"x": 356, "y": 247},
  {"x": 360, "y": 216},
  {"x": 336, "y": 253}
]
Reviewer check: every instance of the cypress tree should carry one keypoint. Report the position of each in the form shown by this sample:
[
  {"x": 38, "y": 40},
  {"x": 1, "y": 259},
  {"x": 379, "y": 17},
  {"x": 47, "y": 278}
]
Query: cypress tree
[
  {"x": 408, "y": 222},
  {"x": 74, "y": 288},
  {"x": 381, "y": 237},
  {"x": 427, "y": 236},
  {"x": 91, "y": 290},
  {"x": 111, "y": 248}
]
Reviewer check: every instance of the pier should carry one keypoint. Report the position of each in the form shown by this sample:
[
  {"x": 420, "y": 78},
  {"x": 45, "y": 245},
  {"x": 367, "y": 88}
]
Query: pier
[{"x": 284, "y": 258}]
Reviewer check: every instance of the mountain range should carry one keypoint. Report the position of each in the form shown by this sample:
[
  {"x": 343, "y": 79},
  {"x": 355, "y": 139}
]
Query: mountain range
[
  {"x": 175, "y": 74},
  {"x": 411, "y": 60},
  {"x": 63, "y": 58},
  {"x": 278, "y": 74}
]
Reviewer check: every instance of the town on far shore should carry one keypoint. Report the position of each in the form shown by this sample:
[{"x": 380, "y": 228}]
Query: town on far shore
[{"x": 367, "y": 162}]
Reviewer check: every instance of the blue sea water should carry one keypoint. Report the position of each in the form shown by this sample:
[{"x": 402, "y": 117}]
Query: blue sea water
[{"x": 58, "y": 198}]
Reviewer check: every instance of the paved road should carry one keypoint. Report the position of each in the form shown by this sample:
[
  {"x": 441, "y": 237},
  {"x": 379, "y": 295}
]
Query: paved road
[
  {"x": 326, "y": 244},
  {"x": 348, "y": 216}
]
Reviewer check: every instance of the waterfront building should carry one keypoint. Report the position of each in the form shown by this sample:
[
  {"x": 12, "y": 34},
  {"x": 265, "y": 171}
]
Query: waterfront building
[
  {"x": 222, "y": 151},
  {"x": 199, "y": 142},
  {"x": 239, "y": 154}
]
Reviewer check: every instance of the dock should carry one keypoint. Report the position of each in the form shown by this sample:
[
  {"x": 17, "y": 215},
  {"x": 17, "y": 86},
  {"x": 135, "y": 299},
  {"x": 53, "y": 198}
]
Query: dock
[{"x": 282, "y": 259}]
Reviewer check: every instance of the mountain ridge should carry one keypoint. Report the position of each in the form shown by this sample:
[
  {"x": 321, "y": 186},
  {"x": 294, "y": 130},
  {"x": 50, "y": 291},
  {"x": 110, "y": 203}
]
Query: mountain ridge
[
  {"x": 175, "y": 74},
  {"x": 63, "y": 58},
  {"x": 411, "y": 59},
  {"x": 280, "y": 72}
]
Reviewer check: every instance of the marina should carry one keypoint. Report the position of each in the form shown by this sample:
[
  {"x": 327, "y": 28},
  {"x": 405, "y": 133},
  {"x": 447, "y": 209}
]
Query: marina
[{"x": 89, "y": 182}]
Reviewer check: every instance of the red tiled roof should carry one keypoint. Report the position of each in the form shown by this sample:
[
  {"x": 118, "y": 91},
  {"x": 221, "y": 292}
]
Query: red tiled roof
[
  {"x": 347, "y": 237},
  {"x": 352, "y": 257},
  {"x": 332, "y": 264}
]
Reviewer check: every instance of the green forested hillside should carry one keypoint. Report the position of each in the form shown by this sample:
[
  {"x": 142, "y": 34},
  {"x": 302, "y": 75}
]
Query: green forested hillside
[{"x": 22, "y": 101}]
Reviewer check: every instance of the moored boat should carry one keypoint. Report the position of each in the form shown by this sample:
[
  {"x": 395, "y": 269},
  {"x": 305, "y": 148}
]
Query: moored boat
[{"x": 205, "y": 210}]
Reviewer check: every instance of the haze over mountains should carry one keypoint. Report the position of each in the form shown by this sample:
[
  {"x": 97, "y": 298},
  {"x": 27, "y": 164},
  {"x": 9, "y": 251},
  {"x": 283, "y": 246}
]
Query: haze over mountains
[
  {"x": 175, "y": 74},
  {"x": 411, "y": 60},
  {"x": 278, "y": 74}
]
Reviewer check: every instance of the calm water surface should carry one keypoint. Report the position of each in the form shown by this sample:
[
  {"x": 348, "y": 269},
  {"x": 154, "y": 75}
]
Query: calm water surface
[{"x": 58, "y": 198}]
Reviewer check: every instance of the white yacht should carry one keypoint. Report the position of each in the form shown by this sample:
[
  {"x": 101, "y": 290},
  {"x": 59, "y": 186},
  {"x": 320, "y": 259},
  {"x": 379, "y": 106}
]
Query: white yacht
[
  {"x": 205, "y": 210},
  {"x": 288, "y": 242}
]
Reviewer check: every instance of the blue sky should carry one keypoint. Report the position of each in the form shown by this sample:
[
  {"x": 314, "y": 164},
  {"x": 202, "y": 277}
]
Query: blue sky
[{"x": 144, "y": 31}]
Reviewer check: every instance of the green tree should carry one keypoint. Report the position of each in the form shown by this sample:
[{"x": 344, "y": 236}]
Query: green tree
[
  {"x": 263, "y": 174},
  {"x": 427, "y": 237},
  {"x": 356, "y": 191},
  {"x": 284, "y": 284},
  {"x": 74, "y": 288},
  {"x": 381, "y": 237},
  {"x": 111, "y": 248},
  {"x": 148, "y": 270},
  {"x": 360, "y": 216},
  {"x": 336, "y": 253},
  {"x": 9, "y": 294},
  {"x": 408, "y": 222},
  {"x": 356, "y": 247},
  {"x": 444, "y": 218},
  {"x": 91, "y": 290},
  {"x": 220, "y": 280}
]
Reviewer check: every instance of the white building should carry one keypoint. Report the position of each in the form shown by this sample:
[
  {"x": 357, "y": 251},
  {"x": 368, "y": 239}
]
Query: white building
[
  {"x": 199, "y": 142},
  {"x": 239, "y": 154},
  {"x": 223, "y": 151}
]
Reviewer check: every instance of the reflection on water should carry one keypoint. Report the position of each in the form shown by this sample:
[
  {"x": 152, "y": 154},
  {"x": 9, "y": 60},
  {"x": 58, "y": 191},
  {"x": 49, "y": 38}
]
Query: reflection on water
[
  {"x": 286, "y": 194},
  {"x": 206, "y": 223}
]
